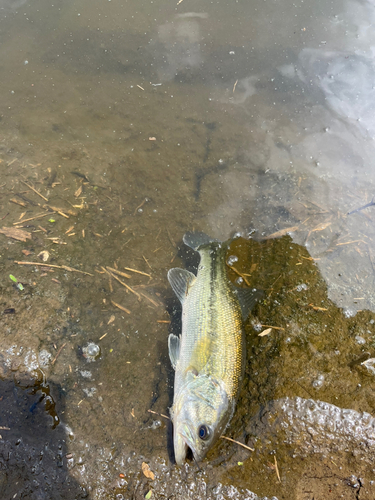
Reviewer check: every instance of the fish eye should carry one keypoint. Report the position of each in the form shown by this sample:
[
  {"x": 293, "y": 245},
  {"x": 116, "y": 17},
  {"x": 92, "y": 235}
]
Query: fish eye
[{"x": 204, "y": 432}]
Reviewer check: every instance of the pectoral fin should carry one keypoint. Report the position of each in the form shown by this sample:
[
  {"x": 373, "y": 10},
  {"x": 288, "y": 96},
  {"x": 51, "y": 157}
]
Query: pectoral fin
[
  {"x": 180, "y": 281},
  {"x": 174, "y": 349},
  {"x": 248, "y": 298}
]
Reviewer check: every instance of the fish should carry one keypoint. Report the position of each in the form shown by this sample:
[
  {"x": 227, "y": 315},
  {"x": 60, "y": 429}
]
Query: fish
[{"x": 209, "y": 355}]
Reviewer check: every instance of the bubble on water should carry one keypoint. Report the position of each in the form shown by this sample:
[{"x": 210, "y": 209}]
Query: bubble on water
[
  {"x": 370, "y": 365},
  {"x": 318, "y": 382},
  {"x": 86, "y": 374},
  {"x": 239, "y": 280},
  {"x": 44, "y": 358},
  {"x": 257, "y": 327},
  {"x": 349, "y": 313},
  {"x": 91, "y": 351},
  {"x": 156, "y": 424},
  {"x": 360, "y": 340},
  {"x": 90, "y": 392},
  {"x": 301, "y": 287},
  {"x": 232, "y": 259}
]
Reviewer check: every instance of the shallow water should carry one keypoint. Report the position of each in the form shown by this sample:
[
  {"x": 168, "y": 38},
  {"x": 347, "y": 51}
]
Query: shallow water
[{"x": 138, "y": 121}]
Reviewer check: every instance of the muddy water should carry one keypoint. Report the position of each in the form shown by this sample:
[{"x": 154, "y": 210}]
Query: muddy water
[{"x": 137, "y": 121}]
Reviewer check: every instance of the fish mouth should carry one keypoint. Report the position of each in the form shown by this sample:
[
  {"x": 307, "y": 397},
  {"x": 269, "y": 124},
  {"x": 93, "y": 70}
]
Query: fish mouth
[
  {"x": 183, "y": 445},
  {"x": 180, "y": 448}
]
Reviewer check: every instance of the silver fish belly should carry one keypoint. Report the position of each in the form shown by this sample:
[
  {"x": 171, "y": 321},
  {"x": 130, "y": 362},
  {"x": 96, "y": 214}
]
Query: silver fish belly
[{"x": 208, "y": 357}]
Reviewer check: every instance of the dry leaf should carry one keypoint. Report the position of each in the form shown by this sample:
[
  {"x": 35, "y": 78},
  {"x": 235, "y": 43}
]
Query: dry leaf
[
  {"x": 78, "y": 192},
  {"x": 147, "y": 472},
  {"x": 26, "y": 252},
  {"x": 111, "y": 319},
  {"x": 44, "y": 255},
  {"x": 265, "y": 332},
  {"x": 16, "y": 234}
]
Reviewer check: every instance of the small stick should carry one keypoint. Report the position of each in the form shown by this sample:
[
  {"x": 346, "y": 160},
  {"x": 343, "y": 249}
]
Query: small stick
[
  {"x": 135, "y": 271},
  {"x": 144, "y": 201},
  {"x": 237, "y": 442},
  {"x": 159, "y": 414},
  {"x": 239, "y": 274},
  {"x": 115, "y": 271},
  {"x": 5, "y": 428},
  {"x": 151, "y": 300},
  {"x": 274, "y": 327},
  {"x": 144, "y": 258},
  {"x": 372, "y": 202},
  {"x": 31, "y": 218},
  {"x": 348, "y": 242},
  {"x": 234, "y": 86},
  {"x": 35, "y": 191},
  {"x": 57, "y": 354},
  {"x": 120, "y": 307},
  {"x": 55, "y": 209},
  {"x": 163, "y": 321},
  {"x": 171, "y": 239},
  {"x": 102, "y": 337},
  {"x": 277, "y": 470},
  {"x": 21, "y": 203},
  {"x": 67, "y": 268},
  {"x": 122, "y": 283}
]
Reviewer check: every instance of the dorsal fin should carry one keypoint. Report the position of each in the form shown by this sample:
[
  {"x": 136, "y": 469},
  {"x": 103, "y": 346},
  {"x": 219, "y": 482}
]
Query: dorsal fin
[
  {"x": 180, "y": 281},
  {"x": 248, "y": 297}
]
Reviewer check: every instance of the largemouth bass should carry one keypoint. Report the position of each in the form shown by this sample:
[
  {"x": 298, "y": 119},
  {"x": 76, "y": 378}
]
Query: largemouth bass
[{"x": 208, "y": 357}]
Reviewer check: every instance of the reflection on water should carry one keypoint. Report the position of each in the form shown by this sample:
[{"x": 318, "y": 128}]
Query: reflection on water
[{"x": 141, "y": 120}]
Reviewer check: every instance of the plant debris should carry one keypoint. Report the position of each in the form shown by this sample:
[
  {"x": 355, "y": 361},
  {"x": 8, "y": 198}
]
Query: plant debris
[
  {"x": 147, "y": 471},
  {"x": 16, "y": 234}
]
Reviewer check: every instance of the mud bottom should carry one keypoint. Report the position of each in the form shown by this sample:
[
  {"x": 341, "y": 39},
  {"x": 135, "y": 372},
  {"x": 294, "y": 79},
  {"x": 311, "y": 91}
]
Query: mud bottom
[{"x": 32, "y": 452}]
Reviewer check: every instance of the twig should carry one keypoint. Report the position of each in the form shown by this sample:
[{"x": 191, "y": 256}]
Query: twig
[
  {"x": 115, "y": 271},
  {"x": 35, "y": 191},
  {"x": 159, "y": 414},
  {"x": 58, "y": 353},
  {"x": 144, "y": 201},
  {"x": 31, "y": 218},
  {"x": 67, "y": 268},
  {"x": 237, "y": 442},
  {"x": 122, "y": 283},
  {"x": 120, "y": 307},
  {"x": 277, "y": 470},
  {"x": 144, "y": 258},
  {"x": 239, "y": 274},
  {"x": 372, "y": 202},
  {"x": 153, "y": 302},
  {"x": 135, "y": 271}
]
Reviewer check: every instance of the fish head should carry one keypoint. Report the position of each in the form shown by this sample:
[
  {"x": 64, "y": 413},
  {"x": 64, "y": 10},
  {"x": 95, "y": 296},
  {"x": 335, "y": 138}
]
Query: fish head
[{"x": 200, "y": 413}]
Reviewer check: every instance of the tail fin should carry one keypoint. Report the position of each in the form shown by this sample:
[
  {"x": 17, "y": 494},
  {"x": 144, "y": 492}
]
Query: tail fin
[{"x": 196, "y": 240}]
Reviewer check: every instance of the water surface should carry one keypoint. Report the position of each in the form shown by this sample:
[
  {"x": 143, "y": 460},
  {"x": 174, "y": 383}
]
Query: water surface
[{"x": 139, "y": 121}]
